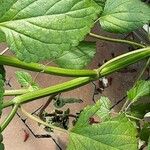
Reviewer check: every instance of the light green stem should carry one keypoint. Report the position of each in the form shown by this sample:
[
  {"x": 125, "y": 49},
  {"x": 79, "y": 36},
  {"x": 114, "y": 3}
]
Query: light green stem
[
  {"x": 116, "y": 40},
  {"x": 11, "y": 61},
  {"x": 42, "y": 122},
  {"x": 9, "y": 117}
]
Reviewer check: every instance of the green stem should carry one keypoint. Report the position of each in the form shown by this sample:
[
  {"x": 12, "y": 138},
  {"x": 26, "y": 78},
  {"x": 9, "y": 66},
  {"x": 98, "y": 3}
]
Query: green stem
[
  {"x": 42, "y": 122},
  {"x": 9, "y": 117},
  {"x": 123, "y": 61},
  {"x": 126, "y": 106},
  {"x": 11, "y": 61},
  {"x": 135, "y": 118},
  {"x": 49, "y": 91},
  {"x": 15, "y": 92},
  {"x": 106, "y": 69},
  {"x": 116, "y": 40},
  {"x": 143, "y": 70}
]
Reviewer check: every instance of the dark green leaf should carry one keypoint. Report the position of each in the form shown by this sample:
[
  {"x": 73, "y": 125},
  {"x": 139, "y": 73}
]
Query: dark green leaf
[
  {"x": 141, "y": 89},
  {"x": 139, "y": 110},
  {"x": 122, "y": 16},
  {"x": 26, "y": 81},
  {"x": 115, "y": 134},
  {"x": 78, "y": 57},
  {"x": 43, "y": 29},
  {"x": 145, "y": 132},
  {"x": 104, "y": 111}
]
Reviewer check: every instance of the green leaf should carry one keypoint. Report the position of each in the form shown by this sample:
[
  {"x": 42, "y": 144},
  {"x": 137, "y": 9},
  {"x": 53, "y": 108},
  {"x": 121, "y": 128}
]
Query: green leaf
[
  {"x": 61, "y": 102},
  {"x": 78, "y": 57},
  {"x": 26, "y": 81},
  {"x": 122, "y": 16},
  {"x": 43, "y": 29},
  {"x": 2, "y": 37},
  {"x": 104, "y": 111},
  {"x": 139, "y": 110},
  {"x": 141, "y": 89},
  {"x": 87, "y": 112},
  {"x": 100, "y": 2},
  {"x": 2, "y": 80},
  {"x": 145, "y": 132},
  {"x": 115, "y": 134}
]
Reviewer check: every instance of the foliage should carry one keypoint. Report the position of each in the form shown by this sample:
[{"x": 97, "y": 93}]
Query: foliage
[
  {"x": 78, "y": 57},
  {"x": 104, "y": 111},
  {"x": 123, "y": 16},
  {"x": 141, "y": 89},
  {"x": 26, "y": 81},
  {"x": 56, "y": 30},
  {"x": 116, "y": 133}
]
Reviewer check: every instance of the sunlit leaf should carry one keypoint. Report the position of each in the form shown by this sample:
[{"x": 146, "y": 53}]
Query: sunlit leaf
[
  {"x": 78, "y": 57},
  {"x": 104, "y": 111},
  {"x": 115, "y": 134},
  {"x": 43, "y": 29},
  {"x": 141, "y": 89},
  {"x": 122, "y": 16},
  {"x": 26, "y": 81}
]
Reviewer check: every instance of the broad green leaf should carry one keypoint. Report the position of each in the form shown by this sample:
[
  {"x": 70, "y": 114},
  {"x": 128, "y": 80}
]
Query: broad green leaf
[
  {"x": 43, "y": 29},
  {"x": 104, "y": 111},
  {"x": 122, "y": 16},
  {"x": 26, "y": 81},
  {"x": 2, "y": 80},
  {"x": 61, "y": 102},
  {"x": 87, "y": 112},
  {"x": 141, "y": 89},
  {"x": 78, "y": 57},
  {"x": 115, "y": 134}
]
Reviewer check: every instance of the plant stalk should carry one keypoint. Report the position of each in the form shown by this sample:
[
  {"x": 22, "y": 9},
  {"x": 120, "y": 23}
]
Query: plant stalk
[
  {"x": 106, "y": 69},
  {"x": 12, "y": 61},
  {"x": 9, "y": 117},
  {"x": 42, "y": 122},
  {"x": 116, "y": 40}
]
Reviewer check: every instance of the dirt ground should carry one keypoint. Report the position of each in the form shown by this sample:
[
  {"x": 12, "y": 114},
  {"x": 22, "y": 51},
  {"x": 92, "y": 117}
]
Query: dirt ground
[{"x": 121, "y": 82}]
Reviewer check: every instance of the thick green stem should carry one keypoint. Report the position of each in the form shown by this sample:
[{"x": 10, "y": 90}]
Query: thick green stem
[
  {"x": 123, "y": 61},
  {"x": 48, "y": 91},
  {"x": 116, "y": 40},
  {"x": 11, "y": 61},
  {"x": 111, "y": 66},
  {"x": 10, "y": 117}
]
